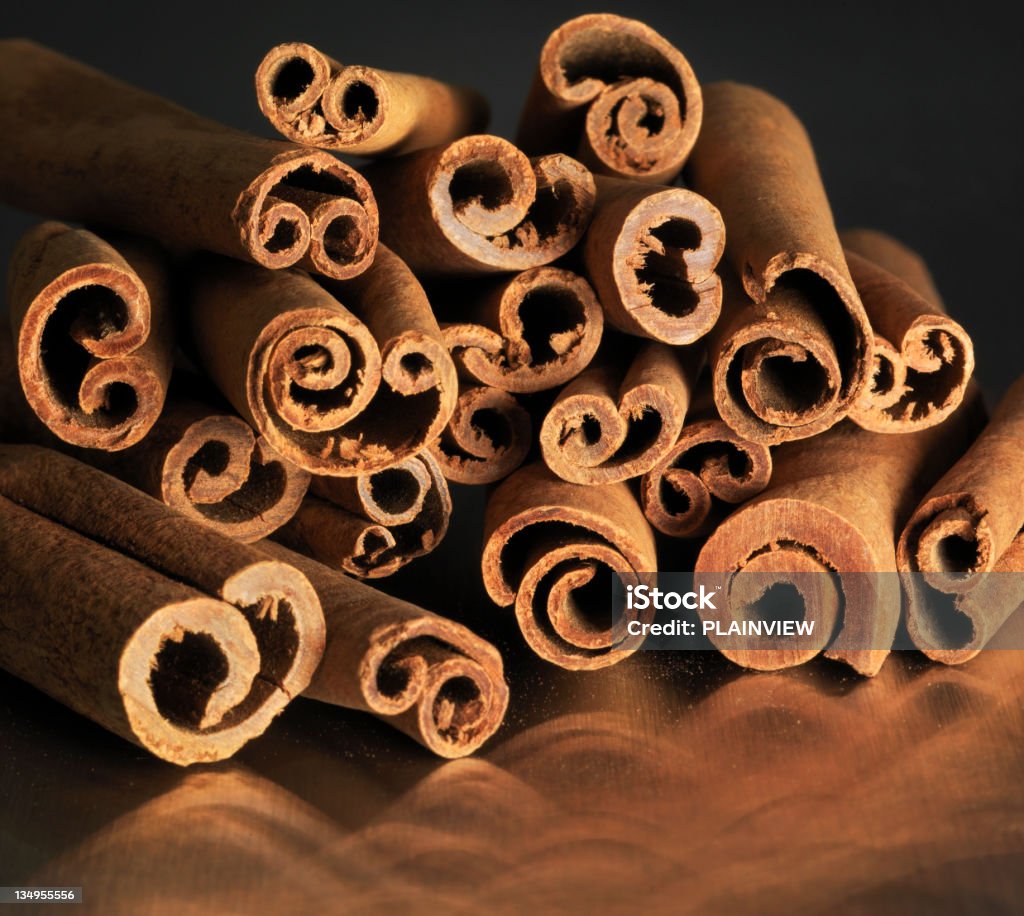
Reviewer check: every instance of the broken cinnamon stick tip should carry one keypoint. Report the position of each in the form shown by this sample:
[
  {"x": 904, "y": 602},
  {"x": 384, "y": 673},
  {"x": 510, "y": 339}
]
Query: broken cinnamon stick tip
[
  {"x": 643, "y": 101},
  {"x": 94, "y": 346}
]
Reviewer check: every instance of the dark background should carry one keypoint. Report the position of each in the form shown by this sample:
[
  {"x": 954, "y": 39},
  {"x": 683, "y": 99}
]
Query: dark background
[{"x": 915, "y": 110}]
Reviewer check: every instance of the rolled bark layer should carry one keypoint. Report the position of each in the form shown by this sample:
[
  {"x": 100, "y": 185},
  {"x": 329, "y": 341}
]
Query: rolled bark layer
[
  {"x": 426, "y": 675},
  {"x": 651, "y": 254},
  {"x": 338, "y": 390},
  {"x": 791, "y": 360},
  {"x": 372, "y": 525},
  {"x": 819, "y": 544},
  {"x": 86, "y": 147},
  {"x": 708, "y": 469},
  {"x": 159, "y": 629},
  {"x": 94, "y": 334},
  {"x": 487, "y": 438},
  {"x": 479, "y": 206},
  {"x": 609, "y": 425},
  {"x": 534, "y": 331},
  {"x": 550, "y": 549},
  {"x": 961, "y": 554},
  {"x": 923, "y": 358},
  {"x": 616, "y": 91},
  {"x": 312, "y": 99}
]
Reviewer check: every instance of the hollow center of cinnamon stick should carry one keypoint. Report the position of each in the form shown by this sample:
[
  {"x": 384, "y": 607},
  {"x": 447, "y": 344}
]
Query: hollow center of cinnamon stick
[
  {"x": 664, "y": 275},
  {"x": 292, "y": 79},
  {"x": 457, "y": 706},
  {"x": 186, "y": 674},
  {"x": 957, "y": 555},
  {"x": 395, "y": 490},
  {"x": 480, "y": 182},
  {"x": 552, "y": 320},
  {"x": 359, "y": 102}
]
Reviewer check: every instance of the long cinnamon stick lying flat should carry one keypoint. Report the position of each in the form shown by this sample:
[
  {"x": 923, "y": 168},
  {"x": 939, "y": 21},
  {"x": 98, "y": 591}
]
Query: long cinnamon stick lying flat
[
  {"x": 793, "y": 361},
  {"x": 94, "y": 334},
  {"x": 337, "y": 387},
  {"x": 923, "y": 358},
  {"x": 651, "y": 254},
  {"x": 819, "y": 544},
  {"x": 312, "y": 99},
  {"x": 533, "y": 331},
  {"x": 548, "y": 546},
  {"x": 609, "y": 425},
  {"x": 487, "y": 438},
  {"x": 961, "y": 554},
  {"x": 616, "y": 91},
  {"x": 83, "y": 146},
  {"x": 372, "y": 525},
  {"x": 479, "y": 206},
  {"x": 428, "y": 676},
  {"x": 710, "y": 467},
  {"x": 159, "y": 629}
]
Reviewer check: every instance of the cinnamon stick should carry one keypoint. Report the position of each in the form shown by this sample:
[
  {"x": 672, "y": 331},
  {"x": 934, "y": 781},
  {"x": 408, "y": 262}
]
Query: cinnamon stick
[
  {"x": 549, "y": 545},
  {"x": 961, "y": 554},
  {"x": 312, "y": 99},
  {"x": 651, "y": 254},
  {"x": 159, "y": 629},
  {"x": 791, "y": 360},
  {"x": 94, "y": 334},
  {"x": 337, "y": 389},
  {"x": 83, "y": 146},
  {"x": 821, "y": 541},
  {"x": 372, "y": 525},
  {"x": 428, "y": 676},
  {"x": 533, "y": 331},
  {"x": 619, "y": 93},
  {"x": 609, "y": 425},
  {"x": 709, "y": 469},
  {"x": 479, "y": 205},
  {"x": 923, "y": 359}
]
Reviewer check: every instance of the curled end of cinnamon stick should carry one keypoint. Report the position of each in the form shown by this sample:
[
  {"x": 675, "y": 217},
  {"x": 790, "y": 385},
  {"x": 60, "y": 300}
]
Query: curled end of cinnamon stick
[
  {"x": 487, "y": 438},
  {"x": 548, "y": 328},
  {"x": 94, "y": 346},
  {"x": 708, "y": 463}
]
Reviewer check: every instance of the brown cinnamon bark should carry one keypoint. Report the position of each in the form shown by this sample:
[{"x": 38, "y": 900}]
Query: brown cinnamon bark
[
  {"x": 616, "y": 91},
  {"x": 372, "y": 525},
  {"x": 312, "y": 99},
  {"x": 337, "y": 389},
  {"x": 83, "y": 146},
  {"x": 428, "y": 676},
  {"x": 709, "y": 468},
  {"x": 651, "y": 254},
  {"x": 157, "y": 628},
  {"x": 821, "y": 539},
  {"x": 962, "y": 552},
  {"x": 545, "y": 542},
  {"x": 923, "y": 358},
  {"x": 534, "y": 331},
  {"x": 94, "y": 334},
  {"x": 609, "y": 425},
  {"x": 479, "y": 206},
  {"x": 793, "y": 361},
  {"x": 487, "y": 438}
]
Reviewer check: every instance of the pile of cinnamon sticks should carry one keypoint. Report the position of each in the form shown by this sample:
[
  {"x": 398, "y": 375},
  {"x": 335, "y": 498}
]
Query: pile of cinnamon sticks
[{"x": 242, "y": 374}]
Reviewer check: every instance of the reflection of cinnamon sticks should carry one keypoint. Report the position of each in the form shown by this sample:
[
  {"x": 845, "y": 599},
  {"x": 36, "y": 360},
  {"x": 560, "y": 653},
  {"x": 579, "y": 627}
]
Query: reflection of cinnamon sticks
[
  {"x": 962, "y": 552},
  {"x": 372, "y": 525},
  {"x": 548, "y": 546},
  {"x": 312, "y": 99},
  {"x": 608, "y": 425},
  {"x": 923, "y": 358},
  {"x": 536, "y": 330},
  {"x": 336, "y": 389},
  {"x": 159, "y": 629},
  {"x": 793, "y": 361},
  {"x": 651, "y": 254},
  {"x": 83, "y": 146},
  {"x": 93, "y": 331},
  {"x": 428, "y": 676},
  {"x": 819, "y": 544},
  {"x": 616, "y": 91},
  {"x": 479, "y": 205}
]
